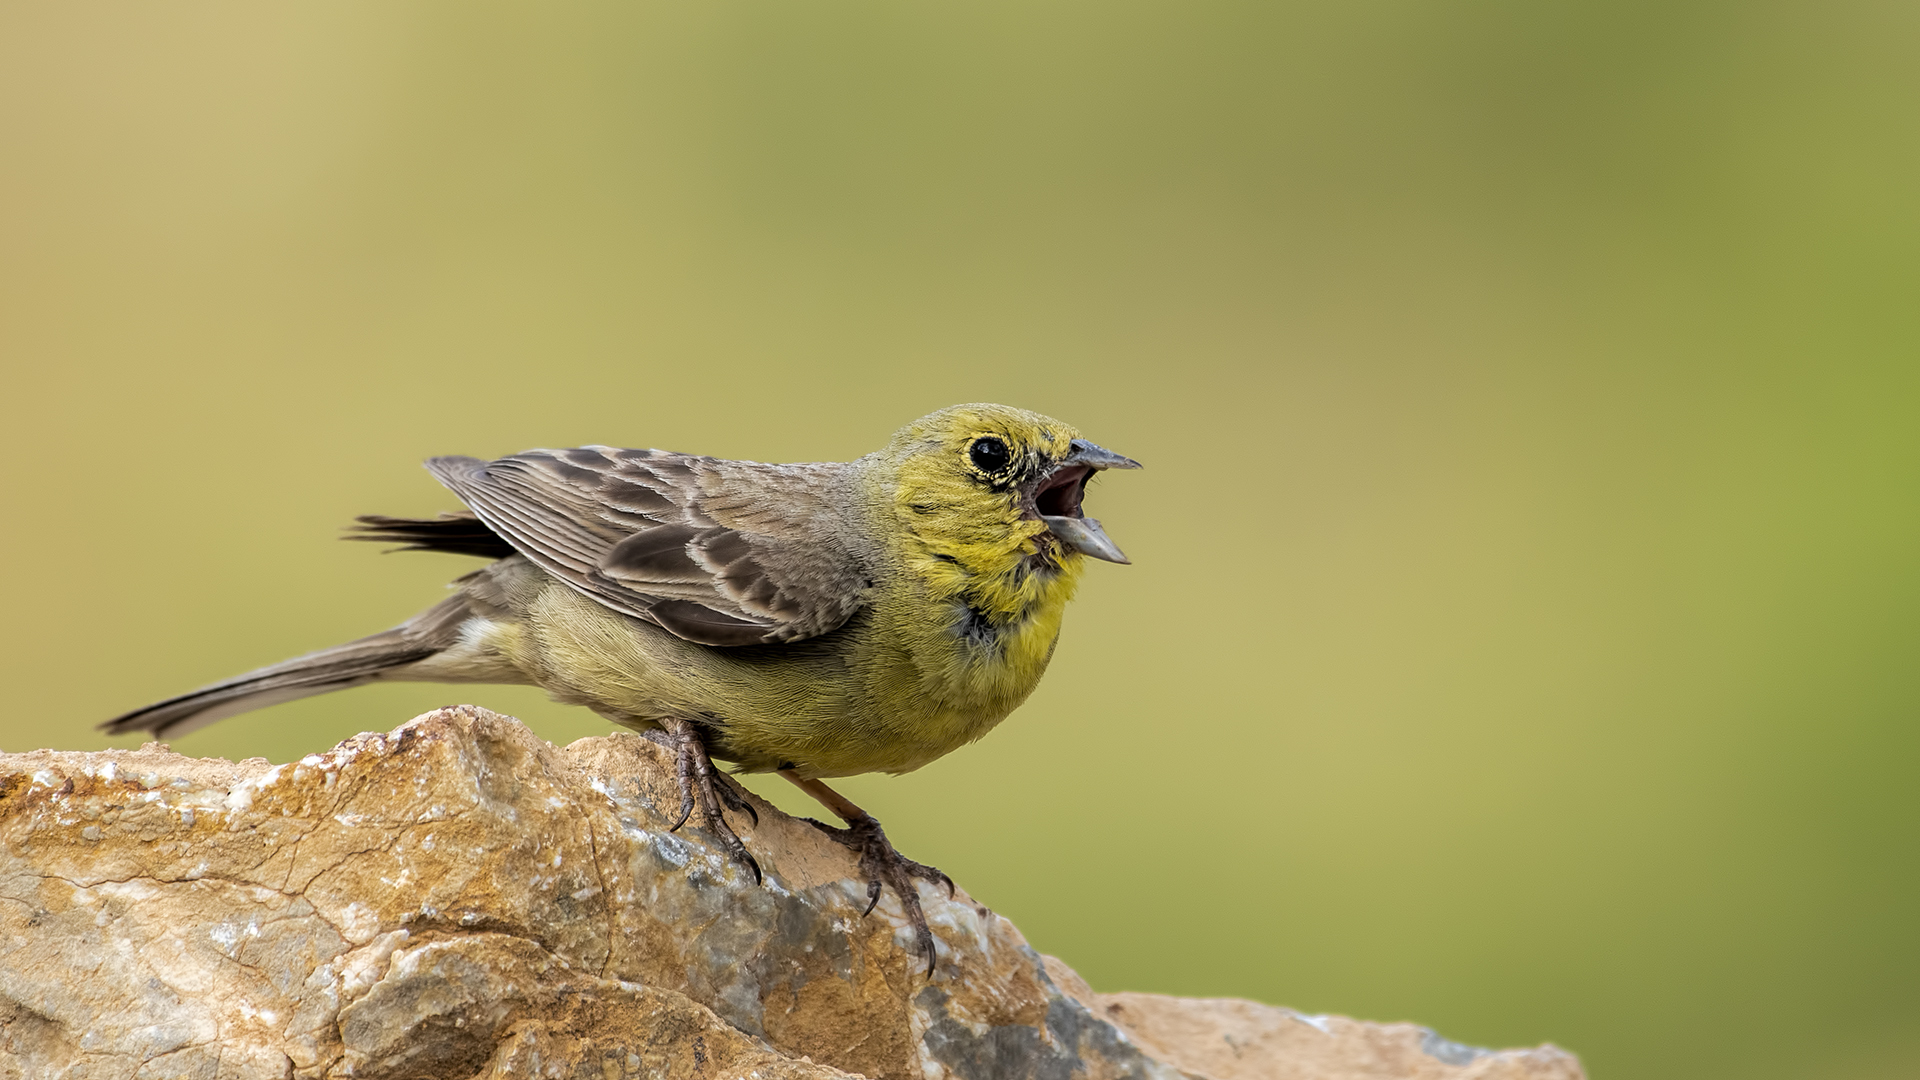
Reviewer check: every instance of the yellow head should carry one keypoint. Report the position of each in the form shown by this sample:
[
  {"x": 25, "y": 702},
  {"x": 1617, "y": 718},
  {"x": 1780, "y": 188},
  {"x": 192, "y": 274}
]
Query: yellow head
[{"x": 988, "y": 497}]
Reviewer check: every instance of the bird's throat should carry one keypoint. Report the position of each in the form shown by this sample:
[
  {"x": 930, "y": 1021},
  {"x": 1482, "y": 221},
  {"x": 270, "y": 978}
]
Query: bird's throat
[{"x": 1001, "y": 617}]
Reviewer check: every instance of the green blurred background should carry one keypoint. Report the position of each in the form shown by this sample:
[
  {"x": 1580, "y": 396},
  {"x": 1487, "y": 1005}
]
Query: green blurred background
[{"x": 1522, "y": 631}]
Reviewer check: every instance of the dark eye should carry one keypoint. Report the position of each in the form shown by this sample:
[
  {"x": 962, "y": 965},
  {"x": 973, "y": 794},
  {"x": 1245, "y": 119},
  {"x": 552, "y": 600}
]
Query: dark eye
[{"x": 989, "y": 454}]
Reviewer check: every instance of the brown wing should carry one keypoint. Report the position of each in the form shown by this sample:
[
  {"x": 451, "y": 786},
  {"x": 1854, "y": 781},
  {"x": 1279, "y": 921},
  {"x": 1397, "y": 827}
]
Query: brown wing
[{"x": 718, "y": 552}]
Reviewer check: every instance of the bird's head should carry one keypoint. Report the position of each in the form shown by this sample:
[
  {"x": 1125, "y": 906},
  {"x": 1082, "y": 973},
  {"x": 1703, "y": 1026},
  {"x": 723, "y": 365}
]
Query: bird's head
[{"x": 989, "y": 488}]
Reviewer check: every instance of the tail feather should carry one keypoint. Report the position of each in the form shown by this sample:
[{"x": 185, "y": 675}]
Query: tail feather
[
  {"x": 355, "y": 663},
  {"x": 460, "y": 533}
]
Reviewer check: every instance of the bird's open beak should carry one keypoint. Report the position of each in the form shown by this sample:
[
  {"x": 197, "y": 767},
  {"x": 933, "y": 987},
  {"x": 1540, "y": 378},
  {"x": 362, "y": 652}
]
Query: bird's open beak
[
  {"x": 1058, "y": 500},
  {"x": 1085, "y": 453}
]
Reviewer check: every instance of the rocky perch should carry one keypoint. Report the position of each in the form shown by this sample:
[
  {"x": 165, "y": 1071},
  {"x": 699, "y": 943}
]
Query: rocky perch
[{"x": 459, "y": 898}]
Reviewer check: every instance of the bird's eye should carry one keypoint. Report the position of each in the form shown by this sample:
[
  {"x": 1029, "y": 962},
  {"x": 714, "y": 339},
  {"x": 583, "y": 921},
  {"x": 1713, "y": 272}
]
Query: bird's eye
[{"x": 989, "y": 455}]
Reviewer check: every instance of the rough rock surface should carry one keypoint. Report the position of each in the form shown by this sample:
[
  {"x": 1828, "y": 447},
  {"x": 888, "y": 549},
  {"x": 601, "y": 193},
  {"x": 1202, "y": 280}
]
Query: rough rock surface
[{"x": 460, "y": 899}]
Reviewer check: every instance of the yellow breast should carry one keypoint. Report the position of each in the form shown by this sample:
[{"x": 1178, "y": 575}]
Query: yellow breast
[{"x": 972, "y": 624}]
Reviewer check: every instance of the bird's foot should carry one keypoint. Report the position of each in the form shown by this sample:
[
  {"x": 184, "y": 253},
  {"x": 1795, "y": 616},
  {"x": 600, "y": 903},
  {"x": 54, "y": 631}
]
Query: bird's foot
[
  {"x": 734, "y": 794},
  {"x": 884, "y": 866},
  {"x": 703, "y": 786}
]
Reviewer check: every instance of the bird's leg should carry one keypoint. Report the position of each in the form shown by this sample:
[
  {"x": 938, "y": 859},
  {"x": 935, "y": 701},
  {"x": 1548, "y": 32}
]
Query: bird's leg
[
  {"x": 881, "y": 864},
  {"x": 734, "y": 795},
  {"x": 700, "y": 784}
]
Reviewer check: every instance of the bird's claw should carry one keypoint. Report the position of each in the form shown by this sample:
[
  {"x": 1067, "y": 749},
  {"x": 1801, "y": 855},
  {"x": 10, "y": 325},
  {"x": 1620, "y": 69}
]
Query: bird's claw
[
  {"x": 712, "y": 792},
  {"x": 885, "y": 867},
  {"x": 735, "y": 799}
]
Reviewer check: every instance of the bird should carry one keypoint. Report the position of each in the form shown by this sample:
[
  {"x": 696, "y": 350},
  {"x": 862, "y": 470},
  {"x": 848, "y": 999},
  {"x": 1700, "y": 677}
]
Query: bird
[{"x": 815, "y": 620}]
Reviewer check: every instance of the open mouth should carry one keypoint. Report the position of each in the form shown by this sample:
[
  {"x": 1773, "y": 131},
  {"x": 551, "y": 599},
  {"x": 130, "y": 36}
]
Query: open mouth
[
  {"x": 1055, "y": 500},
  {"x": 1059, "y": 494}
]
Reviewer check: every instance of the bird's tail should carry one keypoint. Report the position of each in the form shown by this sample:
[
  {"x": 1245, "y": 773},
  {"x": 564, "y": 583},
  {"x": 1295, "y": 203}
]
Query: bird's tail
[{"x": 354, "y": 664}]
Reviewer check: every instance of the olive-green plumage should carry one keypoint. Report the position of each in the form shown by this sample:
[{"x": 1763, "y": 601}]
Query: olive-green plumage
[{"x": 823, "y": 619}]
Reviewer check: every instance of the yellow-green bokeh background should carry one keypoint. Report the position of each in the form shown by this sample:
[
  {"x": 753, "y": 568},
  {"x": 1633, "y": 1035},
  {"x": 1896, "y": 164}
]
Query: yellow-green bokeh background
[{"x": 1522, "y": 631}]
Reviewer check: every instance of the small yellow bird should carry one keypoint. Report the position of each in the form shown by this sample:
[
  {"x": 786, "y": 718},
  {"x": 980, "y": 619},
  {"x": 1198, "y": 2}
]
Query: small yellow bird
[{"x": 817, "y": 620}]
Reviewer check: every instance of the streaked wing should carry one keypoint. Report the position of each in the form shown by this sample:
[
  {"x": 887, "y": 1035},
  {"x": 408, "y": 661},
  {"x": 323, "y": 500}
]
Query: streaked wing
[{"x": 718, "y": 552}]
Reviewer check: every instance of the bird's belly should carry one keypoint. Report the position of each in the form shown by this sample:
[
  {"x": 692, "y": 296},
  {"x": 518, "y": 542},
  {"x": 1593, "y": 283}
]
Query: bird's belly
[
  {"x": 838, "y": 705},
  {"x": 921, "y": 704},
  {"x": 905, "y": 741}
]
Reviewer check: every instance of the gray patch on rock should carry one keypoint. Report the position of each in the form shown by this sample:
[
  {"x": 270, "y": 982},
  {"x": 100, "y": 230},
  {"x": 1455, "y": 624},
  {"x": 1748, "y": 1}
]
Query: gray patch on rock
[
  {"x": 803, "y": 924},
  {"x": 720, "y": 958},
  {"x": 1076, "y": 1039},
  {"x": 1448, "y": 1051},
  {"x": 690, "y": 887}
]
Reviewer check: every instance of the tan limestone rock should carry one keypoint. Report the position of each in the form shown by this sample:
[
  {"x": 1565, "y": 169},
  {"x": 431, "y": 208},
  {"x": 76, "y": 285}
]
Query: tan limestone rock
[{"x": 458, "y": 898}]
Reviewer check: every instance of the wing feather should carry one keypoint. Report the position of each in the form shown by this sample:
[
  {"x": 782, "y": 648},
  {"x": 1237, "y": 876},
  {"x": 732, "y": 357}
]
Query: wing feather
[{"x": 718, "y": 552}]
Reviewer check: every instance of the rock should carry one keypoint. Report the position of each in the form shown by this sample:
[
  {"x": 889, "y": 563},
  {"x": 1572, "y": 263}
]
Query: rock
[
  {"x": 1227, "y": 1039},
  {"x": 460, "y": 899}
]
